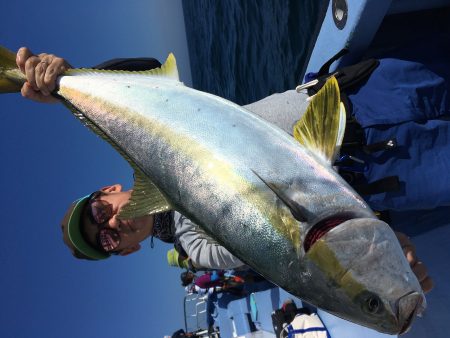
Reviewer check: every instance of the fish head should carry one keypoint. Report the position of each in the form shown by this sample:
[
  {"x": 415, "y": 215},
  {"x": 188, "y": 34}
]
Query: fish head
[{"x": 366, "y": 275}]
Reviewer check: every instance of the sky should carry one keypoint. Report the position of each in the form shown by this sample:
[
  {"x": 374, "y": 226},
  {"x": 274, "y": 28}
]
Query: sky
[{"x": 48, "y": 159}]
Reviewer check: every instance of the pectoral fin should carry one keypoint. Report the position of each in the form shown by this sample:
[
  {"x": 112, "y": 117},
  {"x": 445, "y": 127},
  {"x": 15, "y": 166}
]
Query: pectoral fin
[
  {"x": 298, "y": 211},
  {"x": 146, "y": 199},
  {"x": 322, "y": 127}
]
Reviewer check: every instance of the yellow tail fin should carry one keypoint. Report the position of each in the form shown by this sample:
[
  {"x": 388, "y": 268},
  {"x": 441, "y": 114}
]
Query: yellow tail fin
[
  {"x": 11, "y": 79},
  {"x": 321, "y": 128}
]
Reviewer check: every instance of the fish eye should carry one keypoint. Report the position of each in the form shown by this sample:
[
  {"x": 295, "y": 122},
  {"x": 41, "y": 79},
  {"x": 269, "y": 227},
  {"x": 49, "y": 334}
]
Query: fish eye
[{"x": 372, "y": 304}]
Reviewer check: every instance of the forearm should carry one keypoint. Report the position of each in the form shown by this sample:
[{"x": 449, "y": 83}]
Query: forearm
[{"x": 203, "y": 251}]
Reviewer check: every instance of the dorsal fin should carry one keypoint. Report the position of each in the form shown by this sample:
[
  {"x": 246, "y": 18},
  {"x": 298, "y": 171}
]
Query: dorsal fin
[
  {"x": 321, "y": 128},
  {"x": 146, "y": 199},
  {"x": 168, "y": 70}
]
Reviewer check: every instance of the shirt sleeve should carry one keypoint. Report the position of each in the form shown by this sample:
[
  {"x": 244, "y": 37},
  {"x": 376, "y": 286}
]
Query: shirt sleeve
[
  {"x": 282, "y": 110},
  {"x": 203, "y": 251}
]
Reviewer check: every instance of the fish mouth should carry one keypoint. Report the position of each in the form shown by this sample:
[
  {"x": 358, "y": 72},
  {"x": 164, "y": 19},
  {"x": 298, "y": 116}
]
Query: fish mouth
[{"x": 408, "y": 307}]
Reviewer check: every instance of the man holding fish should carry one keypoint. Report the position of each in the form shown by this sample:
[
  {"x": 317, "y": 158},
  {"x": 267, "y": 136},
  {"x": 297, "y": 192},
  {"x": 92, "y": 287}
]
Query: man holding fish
[
  {"x": 266, "y": 213},
  {"x": 42, "y": 71}
]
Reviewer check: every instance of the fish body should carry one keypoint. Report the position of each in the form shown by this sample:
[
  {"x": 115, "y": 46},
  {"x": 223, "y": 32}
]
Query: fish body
[{"x": 253, "y": 188}]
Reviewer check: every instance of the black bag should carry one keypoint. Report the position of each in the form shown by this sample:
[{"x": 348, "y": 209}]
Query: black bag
[{"x": 347, "y": 77}]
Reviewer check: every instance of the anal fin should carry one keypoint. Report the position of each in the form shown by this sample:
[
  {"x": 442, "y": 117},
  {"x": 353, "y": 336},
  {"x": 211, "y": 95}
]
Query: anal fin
[{"x": 298, "y": 211}]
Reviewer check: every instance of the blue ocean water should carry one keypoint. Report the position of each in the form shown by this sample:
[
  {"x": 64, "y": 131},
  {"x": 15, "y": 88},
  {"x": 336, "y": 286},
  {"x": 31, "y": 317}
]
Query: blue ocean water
[{"x": 246, "y": 50}]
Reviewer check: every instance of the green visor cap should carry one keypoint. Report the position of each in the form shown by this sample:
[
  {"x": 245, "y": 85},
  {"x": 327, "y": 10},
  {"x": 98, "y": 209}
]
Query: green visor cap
[{"x": 74, "y": 232}]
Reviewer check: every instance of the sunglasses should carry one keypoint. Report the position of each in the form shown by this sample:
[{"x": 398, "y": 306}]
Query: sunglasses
[{"x": 100, "y": 212}]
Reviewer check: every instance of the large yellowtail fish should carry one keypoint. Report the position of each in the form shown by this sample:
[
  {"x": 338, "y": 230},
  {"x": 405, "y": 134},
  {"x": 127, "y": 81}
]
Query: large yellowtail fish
[{"x": 274, "y": 202}]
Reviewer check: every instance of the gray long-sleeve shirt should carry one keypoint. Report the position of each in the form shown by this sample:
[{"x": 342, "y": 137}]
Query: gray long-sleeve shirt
[{"x": 283, "y": 110}]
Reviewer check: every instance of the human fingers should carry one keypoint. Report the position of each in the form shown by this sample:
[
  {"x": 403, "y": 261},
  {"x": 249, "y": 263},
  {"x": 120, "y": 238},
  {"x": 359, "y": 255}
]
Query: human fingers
[
  {"x": 22, "y": 56},
  {"x": 56, "y": 67},
  {"x": 403, "y": 239},
  {"x": 421, "y": 273},
  {"x": 408, "y": 247},
  {"x": 40, "y": 71},
  {"x": 417, "y": 266},
  {"x": 30, "y": 70},
  {"x": 410, "y": 254},
  {"x": 28, "y": 92},
  {"x": 427, "y": 284}
]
